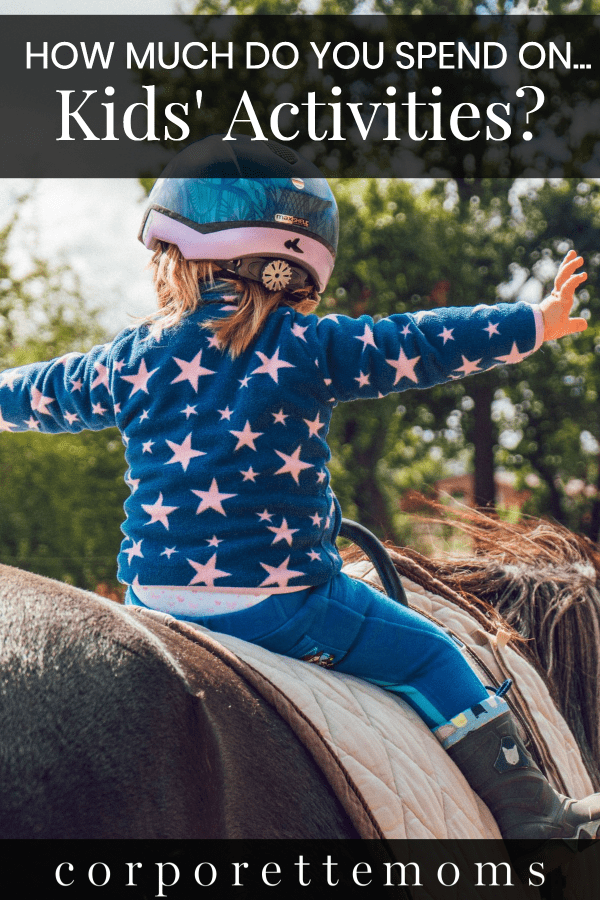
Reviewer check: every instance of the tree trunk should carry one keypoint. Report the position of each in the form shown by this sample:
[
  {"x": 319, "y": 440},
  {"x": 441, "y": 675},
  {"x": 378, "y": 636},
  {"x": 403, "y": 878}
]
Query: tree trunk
[
  {"x": 374, "y": 513},
  {"x": 367, "y": 495},
  {"x": 484, "y": 432},
  {"x": 594, "y": 527},
  {"x": 483, "y": 441}
]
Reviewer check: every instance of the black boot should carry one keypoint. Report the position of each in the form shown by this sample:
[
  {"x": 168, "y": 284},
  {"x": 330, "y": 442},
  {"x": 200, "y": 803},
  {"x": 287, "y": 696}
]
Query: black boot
[{"x": 485, "y": 744}]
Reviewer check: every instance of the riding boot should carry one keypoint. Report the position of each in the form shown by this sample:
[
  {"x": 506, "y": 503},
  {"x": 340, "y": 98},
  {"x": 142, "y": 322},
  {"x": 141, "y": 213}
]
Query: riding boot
[{"x": 485, "y": 744}]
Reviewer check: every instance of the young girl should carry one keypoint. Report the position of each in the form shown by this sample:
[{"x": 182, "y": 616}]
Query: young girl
[{"x": 224, "y": 398}]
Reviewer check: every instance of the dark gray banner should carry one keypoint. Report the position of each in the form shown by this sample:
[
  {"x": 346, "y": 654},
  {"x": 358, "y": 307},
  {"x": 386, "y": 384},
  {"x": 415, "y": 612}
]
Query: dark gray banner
[{"x": 101, "y": 96}]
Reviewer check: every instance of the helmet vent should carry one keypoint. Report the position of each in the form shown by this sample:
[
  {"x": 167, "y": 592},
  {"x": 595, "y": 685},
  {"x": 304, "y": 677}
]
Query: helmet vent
[{"x": 288, "y": 155}]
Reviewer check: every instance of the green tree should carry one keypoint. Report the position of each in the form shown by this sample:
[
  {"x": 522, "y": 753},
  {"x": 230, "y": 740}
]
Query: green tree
[
  {"x": 461, "y": 243},
  {"x": 395, "y": 255},
  {"x": 61, "y": 496},
  {"x": 393, "y": 7},
  {"x": 554, "y": 394}
]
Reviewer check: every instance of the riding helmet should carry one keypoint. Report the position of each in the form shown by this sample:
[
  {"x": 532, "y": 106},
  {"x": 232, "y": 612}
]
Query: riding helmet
[{"x": 258, "y": 208}]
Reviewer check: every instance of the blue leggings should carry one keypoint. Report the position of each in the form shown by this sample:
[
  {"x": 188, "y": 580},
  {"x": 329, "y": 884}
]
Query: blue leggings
[{"x": 349, "y": 626}]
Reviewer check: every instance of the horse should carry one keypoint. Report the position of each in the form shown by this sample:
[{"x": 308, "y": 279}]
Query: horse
[
  {"x": 112, "y": 730},
  {"x": 118, "y": 727}
]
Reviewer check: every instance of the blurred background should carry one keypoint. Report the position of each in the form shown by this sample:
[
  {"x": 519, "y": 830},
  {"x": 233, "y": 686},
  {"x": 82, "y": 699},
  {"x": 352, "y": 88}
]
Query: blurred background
[{"x": 522, "y": 440}]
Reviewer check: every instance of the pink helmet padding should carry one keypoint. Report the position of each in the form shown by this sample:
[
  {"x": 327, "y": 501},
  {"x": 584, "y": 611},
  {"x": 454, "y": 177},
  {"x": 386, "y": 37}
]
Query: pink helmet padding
[{"x": 235, "y": 243}]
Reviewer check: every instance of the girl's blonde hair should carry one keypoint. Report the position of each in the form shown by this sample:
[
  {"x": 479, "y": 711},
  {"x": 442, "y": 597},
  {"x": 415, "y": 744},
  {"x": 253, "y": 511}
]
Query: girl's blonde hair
[{"x": 179, "y": 283}]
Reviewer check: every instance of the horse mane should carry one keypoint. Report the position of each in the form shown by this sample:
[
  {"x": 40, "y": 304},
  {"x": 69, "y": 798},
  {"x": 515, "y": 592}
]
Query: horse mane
[{"x": 540, "y": 583}]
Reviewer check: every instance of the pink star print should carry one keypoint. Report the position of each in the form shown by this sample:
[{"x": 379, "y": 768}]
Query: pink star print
[
  {"x": 315, "y": 426},
  {"x": 265, "y": 516},
  {"x": 98, "y": 409},
  {"x": 279, "y": 417},
  {"x": 366, "y": 337},
  {"x": 363, "y": 380},
  {"x": 446, "y": 334},
  {"x": 191, "y": 371},
  {"x": 71, "y": 417},
  {"x": 140, "y": 379},
  {"x": 168, "y": 552},
  {"x": 246, "y": 437},
  {"x": 135, "y": 550},
  {"x": 212, "y": 499},
  {"x": 468, "y": 366},
  {"x": 207, "y": 573},
  {"x": 271, "y": 366},
  {"x": 405, "y": 368},
  {"x": 31, "y": 423},
  {"x": 101, "y": 377},
  {"x": 39, "y": 402},
  {"x": 293, "y": 464},
  {"x": 492, "y": 328},
  {"x": 283, "y": 533},
  {"x": 513, "y": 357},
  {"x": 133, "y": 483},
  {"x": 183, "y": 453},
  {"x": 249, "y": 474},
  {"x": 225, "y": 413},
  {"x": 4, "y": 425},
  {"x": 424, "y": 312},
  {"x": 279, "y": 575},
  {"x": 299, "y": 331},
  {"x": 8, "y": 378},
  {"x": 158, "y": 512}
]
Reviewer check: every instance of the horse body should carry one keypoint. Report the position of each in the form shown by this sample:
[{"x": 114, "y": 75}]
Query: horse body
[{"x": 111, "y": 732}]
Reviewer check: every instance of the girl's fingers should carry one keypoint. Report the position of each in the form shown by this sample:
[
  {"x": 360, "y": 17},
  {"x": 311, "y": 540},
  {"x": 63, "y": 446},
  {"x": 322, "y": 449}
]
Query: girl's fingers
[
  {"x": 567, "y": 288},
  {"x": 567, "y": 267},
  {"x": 576, "y": 325}
]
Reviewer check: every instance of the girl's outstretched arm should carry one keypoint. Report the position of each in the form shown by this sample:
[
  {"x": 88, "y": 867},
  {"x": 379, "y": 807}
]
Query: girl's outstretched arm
[{"x": 67, "y": 394}]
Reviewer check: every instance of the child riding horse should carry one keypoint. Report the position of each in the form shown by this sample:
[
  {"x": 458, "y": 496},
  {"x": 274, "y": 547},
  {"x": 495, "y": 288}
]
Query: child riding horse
[{"x": 224, "y": 397}]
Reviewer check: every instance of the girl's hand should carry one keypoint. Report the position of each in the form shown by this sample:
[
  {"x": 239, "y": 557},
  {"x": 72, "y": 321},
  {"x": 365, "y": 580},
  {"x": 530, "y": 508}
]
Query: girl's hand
[{"x": 556, "y": 309}]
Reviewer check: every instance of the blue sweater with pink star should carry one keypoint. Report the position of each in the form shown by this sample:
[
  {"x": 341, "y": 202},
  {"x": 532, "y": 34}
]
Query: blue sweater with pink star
[{"x": 227, "y": 458}]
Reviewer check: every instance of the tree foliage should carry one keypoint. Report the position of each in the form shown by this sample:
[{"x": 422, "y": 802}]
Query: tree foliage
[
  {"x": 453, "y": 244},
  {"x": 554, "y": 394},
  {"x": 394, "y": 7},
  {"x": 61, "y": 496}
]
